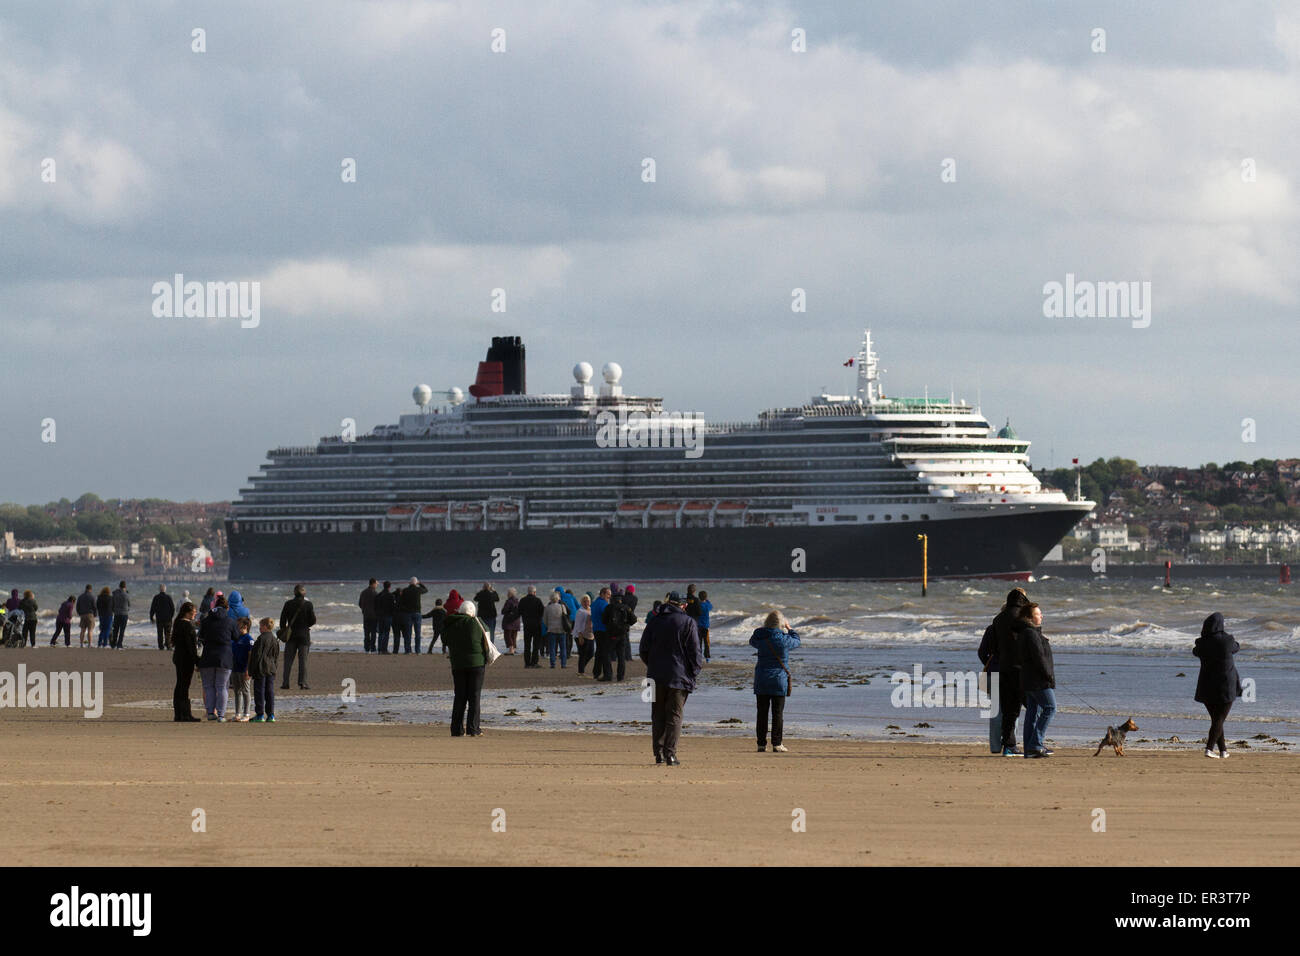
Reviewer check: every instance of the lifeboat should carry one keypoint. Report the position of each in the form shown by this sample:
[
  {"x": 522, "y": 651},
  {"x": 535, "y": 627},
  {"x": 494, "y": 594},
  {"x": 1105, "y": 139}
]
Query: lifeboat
[
  {"x": 664, "y": 507},
  {"x": 401, "y": 511},
  {"x": 631, "y": 507},
  {"x": 733, "y": 507},
  {"x": 503, "y": 511},
  {"x": 696, "y": 507},
  {"x": 467, "y": 511}
]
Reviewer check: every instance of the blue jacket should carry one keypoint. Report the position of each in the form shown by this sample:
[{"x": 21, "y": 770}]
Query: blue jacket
[
  {"x": 598, "y": 615},
  {"x": 670, "y": 648},
  {"x": 239, "y": 650},
  {"x": 705, "y": 608},
  {"x": 237, "y": 608},
  {"x": 217, "y": 632},
  {"x": 769, "y": 676}
]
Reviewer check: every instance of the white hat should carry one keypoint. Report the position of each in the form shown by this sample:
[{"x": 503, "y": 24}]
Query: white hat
[{"x": 468, "y": 607}]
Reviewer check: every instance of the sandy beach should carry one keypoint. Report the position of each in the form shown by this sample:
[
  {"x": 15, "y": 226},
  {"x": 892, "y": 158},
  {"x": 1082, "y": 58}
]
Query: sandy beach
[{"x": 123, "y": 790}]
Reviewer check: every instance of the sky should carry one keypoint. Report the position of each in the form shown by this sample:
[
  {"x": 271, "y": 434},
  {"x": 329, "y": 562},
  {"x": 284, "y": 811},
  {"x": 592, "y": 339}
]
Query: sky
[{"x": 924, "y": 170}]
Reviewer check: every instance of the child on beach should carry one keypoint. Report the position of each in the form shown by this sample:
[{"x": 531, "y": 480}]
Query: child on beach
[
  {"x": 239, "y": 680},
  {"x": 262, "y": 663}
]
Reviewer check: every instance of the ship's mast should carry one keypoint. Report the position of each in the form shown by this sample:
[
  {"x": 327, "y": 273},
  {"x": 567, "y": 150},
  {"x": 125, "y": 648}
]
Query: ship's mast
[{"x": 868, "y": 372}]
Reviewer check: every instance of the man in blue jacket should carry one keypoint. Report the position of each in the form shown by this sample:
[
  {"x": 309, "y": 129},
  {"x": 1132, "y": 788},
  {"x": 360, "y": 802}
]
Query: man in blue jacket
[{"x": 670, "y": 648}]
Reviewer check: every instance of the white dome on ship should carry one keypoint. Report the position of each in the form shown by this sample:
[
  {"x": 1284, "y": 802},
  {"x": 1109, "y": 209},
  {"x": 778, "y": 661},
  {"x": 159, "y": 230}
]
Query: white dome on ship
[
  {"x": 612, "y": 372},
  {"x": 582, "y": 372},
  {"x": 455, "y": 395},
  {"x": 422, "y": 394}
]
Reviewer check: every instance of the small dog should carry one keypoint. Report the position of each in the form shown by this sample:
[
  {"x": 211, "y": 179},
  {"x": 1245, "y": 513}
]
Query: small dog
[{"x": 1115, "y": 736}]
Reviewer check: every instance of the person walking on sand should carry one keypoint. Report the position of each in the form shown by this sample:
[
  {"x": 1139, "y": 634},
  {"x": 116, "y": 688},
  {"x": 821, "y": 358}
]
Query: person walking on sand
[
  {"x": 369, "y": 626},
  {"x": 463, "y": 636},
  {"x": 86, "y": 614},
  {"x": 262, "y": 663},
  {"x": 1218, "y": 684},
  {"x": 121, "y": 607},
  {"x": 670, "y": 648},
  {"x": 1037, "y": 679},
  {"x": 104, "y": 608},
  {"x": 161, "y": 611},
  {"x": 510, "y": 620},
  {"x": 486, "y": 602},
  {"x": 531, "y": 610},
  {"x": 774, "y": 641},
  {"x": 217, "y": 632},
  {"x": 63, "y": 622},
  {"x": 385, "y": 609},
  {"x": 185, "y": 655},
  {"x": 297, "y": 618},
  {"x": 1000, "y": 643}
]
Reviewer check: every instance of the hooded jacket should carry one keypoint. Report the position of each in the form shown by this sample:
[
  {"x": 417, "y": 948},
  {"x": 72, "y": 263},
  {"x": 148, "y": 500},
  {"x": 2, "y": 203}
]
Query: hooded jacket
[
  {"x": 1218, "y": 682},
  {"x": 121, "y": 601},
  {"x": 217, "y": 633},
  {"x": 769, "y": 674},
  {"x": 65, "y": 611},
  {"x": 13, "y": 600},
  {"x": 1037, "y": 671},
  {"x": 670, "y": 648},
  {"x": 104, "y": 605},
  {"x": 265, "y": 655},
  {"x": 999, "y": 649},
  {"x": 452, "y": 604},
  {"x": 238, "y": 610},
  {"x": 568, "y": 600}
]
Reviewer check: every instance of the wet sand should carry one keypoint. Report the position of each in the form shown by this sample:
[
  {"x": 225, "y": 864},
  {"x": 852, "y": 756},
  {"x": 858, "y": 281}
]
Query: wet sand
[{"x": 123, "y": 790}]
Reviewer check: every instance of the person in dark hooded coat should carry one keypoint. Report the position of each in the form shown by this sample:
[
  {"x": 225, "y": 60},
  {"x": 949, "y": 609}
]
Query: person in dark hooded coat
[
  {"x": 1000, "y": 652},
  {"x": 1218, "y": 684}
]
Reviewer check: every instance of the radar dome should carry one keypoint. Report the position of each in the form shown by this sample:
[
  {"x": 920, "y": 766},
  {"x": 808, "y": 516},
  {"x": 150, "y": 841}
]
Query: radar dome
[
  {"x": 422, "y": 394},
  {"x": 612, "y": 372},
  {"x": 455, "y": 395},
  {"x": 582, "y": 372}
]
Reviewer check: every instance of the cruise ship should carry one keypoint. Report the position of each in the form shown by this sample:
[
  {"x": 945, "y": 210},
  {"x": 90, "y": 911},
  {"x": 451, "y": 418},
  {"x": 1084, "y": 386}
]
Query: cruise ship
[{"x": 600, "y": 485}]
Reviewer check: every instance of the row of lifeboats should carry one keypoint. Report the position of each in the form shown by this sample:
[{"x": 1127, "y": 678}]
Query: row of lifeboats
[
  {"x": 460, "y": 511},
  {"x": 689, "y": 507}
]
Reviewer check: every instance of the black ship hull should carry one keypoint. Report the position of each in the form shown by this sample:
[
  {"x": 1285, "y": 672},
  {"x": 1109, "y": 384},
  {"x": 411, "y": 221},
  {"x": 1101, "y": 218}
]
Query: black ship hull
[{"x": 1008, "y": 545}]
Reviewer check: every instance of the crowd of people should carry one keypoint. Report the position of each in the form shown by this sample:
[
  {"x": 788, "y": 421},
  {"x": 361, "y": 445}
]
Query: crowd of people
[
  {"x": 216, "y": 638},
  {"x": 1015, "y": 648}
]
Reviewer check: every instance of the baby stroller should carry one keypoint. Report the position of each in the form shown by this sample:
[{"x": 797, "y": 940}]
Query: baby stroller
[{"x": 12, "y": 635}]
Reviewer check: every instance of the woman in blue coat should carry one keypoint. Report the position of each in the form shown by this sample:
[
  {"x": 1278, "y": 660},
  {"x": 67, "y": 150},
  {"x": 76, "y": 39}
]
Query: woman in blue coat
[
  {"x": 1218, "y": 685},
  {"x": 774, "y": 642}
]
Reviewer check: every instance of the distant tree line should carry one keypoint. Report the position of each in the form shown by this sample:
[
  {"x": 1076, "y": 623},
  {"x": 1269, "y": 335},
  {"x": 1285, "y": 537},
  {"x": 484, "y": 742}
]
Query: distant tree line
[{"x": 91, "y": 519}]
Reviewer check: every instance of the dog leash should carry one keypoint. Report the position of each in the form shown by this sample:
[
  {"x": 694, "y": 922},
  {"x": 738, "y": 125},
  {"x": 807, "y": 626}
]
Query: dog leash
[{"x": 1089, "y": 706}]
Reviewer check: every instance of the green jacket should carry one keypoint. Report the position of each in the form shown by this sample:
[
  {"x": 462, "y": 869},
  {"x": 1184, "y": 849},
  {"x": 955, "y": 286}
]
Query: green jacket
[{"x": 462, "y": 635}]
